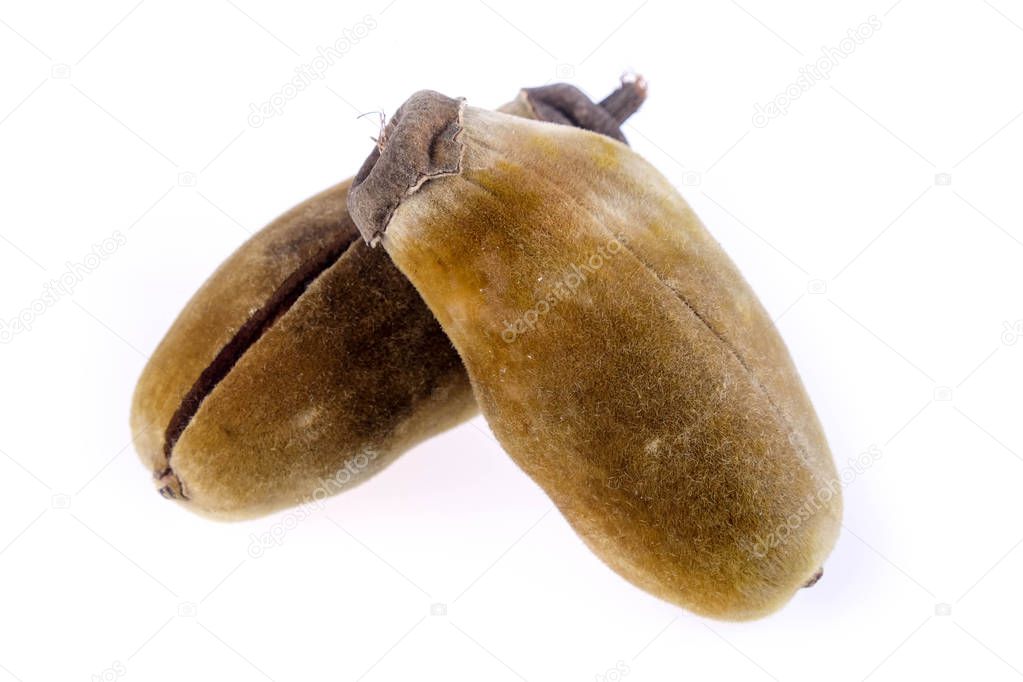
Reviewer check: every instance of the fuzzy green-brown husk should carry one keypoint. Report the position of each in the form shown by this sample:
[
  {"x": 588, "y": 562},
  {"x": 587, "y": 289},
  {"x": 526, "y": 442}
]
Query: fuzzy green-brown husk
[
  {"x": 615, "y": 350},
  {"x": 307, "y": 362}
]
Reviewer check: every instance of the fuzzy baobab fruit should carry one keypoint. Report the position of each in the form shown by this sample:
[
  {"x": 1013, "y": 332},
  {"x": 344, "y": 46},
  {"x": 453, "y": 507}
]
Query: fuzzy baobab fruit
[
  {"x": 617, "y": 353},
  {"x": 307, "y": 362}
]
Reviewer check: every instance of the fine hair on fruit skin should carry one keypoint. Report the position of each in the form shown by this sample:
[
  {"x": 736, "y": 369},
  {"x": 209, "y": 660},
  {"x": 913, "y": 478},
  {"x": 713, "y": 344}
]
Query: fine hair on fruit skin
[
  {"x": 307, "y": 362},
  {"x": 653, "y": 401}
]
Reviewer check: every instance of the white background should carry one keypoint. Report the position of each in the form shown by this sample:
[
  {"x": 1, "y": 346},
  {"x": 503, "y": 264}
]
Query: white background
[{"x": 898, "y": 293}]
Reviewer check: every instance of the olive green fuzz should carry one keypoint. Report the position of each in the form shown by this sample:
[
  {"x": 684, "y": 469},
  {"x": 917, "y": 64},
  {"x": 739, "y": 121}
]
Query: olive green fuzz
[
  {"x": 276, "y": 305},
  {"x": 656, "y": 403},
  {"x": 307, "y": 362}
]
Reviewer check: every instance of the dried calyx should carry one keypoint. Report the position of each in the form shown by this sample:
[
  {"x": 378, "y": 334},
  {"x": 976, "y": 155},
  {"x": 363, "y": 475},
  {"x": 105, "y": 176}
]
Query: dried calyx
[{"x": 420, "y": 142}]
